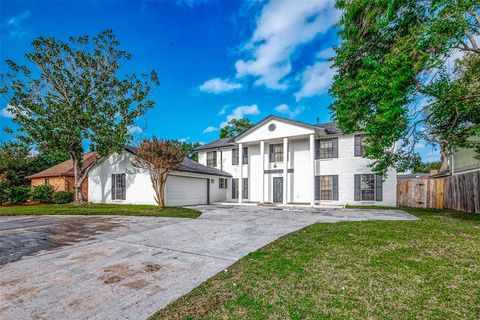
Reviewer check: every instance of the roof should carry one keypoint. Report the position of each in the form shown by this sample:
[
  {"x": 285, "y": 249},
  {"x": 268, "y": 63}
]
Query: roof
[
  {"x": 223, "y": 142},
  {"x": 329, "y": 127},
  {"x": 64, "y": 169},
  {"x": 191, "y": 166},
  {"x": 413, "y": 176}
]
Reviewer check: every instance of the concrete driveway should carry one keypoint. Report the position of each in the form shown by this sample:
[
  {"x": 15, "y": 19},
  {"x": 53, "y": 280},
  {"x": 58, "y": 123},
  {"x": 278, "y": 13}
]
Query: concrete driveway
[{"x": 84, "y": 267}]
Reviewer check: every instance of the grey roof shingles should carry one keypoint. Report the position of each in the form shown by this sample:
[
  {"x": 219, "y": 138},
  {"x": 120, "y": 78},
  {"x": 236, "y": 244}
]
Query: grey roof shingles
[{"x": 219, "y": 143}]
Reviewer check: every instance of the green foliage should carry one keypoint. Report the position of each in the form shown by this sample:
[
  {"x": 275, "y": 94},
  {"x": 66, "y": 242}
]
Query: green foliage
[
  {"x": 16, "y": 194},
  {"x": 3, "y": 193},
  {"x": 46, "y": 159},
  {"x": 76, "y": 96},
  {"x": 61, "y": 197},
  {"x": 392, "y": 80},
  {"x": 427, "y": 167},
  {"x": 15, "y": 163},
  {"x": 42, "y": 193},
  {"x": 189, "y": 149},
  {"x": 234, "y": 127}
]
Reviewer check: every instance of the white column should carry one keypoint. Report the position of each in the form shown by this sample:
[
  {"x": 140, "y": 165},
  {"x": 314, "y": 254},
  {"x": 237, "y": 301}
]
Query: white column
[
  {"x": 285, "y": 169},
  {"x": 312, "y": 169},
  {"x": 262, "y": 156},
  {"x": 240, "y": 178}
]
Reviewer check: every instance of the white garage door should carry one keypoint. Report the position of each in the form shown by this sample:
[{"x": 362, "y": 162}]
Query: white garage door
[{"x": 182, "y": 191}]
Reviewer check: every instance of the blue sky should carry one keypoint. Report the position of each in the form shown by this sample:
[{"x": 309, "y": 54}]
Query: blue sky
[{"x": 216, "y": 60}]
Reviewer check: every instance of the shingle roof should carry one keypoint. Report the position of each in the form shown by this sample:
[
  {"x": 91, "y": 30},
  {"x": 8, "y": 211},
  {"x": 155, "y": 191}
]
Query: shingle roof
[
  {"x": 192, "y": 166},
  {"x": 65, "y": 168},
  {"x": 330, "y": 127},
  {"x": 223, "y": 142}
]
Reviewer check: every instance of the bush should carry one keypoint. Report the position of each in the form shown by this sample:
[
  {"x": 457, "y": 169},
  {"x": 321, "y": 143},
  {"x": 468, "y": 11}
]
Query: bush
[
  {"x": 17, "y": 194},
  {"x": 3, "y": 193},
  {"x": 62, "y": 197},
  {"x": 42, "y": 193}
]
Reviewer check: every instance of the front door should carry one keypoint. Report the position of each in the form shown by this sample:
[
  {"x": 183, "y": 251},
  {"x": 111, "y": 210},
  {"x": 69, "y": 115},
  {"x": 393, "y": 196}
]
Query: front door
[{"x": 278, "y": 189}]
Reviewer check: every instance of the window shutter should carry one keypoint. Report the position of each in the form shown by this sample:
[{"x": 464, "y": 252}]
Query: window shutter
[
  {"x": 357, "y": 192},
  {"x": 335, "y": 147},
  {"x": 234, "y": 157},
  {"x": 358, "y": 146},
  {"x": 270, "y": 153},
  {"x": 113, "y": 187},
  {"x": 317, "y": 149},
  {"x": 245, "y": 188},
  {"x": 317, "y": 187},
  {"x": 214, "y": 158},
  {"x": 124, "y": 186},
  {"x": 335, "y": 187},
  {"x": 378, "y": 188},
  {"x": 226, "y": 183},
  {"x": 245, "y": 155}
]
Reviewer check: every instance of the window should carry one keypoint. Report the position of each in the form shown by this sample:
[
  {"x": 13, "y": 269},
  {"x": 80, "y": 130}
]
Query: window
[
  {"x": 235, "y": 156},
  {"x": 276, "y": 153},
  {"x": 368, "y": 187},
  {"x": 359, "y": 145},
  {"x": 119, "y": 186},
  {"x": 235, "y": 188},
  {"x": 326, "y": 148},
  {"x": 326, "y": 187},
  {"x": 46, "y": 182},
  {"x": 212, "y": 159},
  {"x": 245, "y": 188},
  {"x": 222, "y": 183}
]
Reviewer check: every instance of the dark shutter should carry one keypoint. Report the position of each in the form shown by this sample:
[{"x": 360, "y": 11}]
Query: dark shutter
[
  {"x": 214, "y": 158},
  {"x": 358, "y": 146},
  {"x": 234, "y": 188},
  {"x": 226, "y": 183},
  {"x": 335, "y": 148},
  {"x": 234, "y": 157},
  {"x": 270, "y": 153},
  {"x": 124, "y": 186},
  {"x": 245, "y": 188},
  {"x": 317, "y": 187},
  {"x": 245, "y": 155},
  {"x": 335, "y": 187},
  {"x": 378, "y": 188},
  {"x": 113, "y": 187},
  {"x": 357, "y": 192},
  {"x": 317, "y": 149}
]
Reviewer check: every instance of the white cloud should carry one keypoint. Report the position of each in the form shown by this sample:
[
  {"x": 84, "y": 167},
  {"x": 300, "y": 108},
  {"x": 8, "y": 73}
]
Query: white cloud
[
  {"x": 241, "y": 112},
  {"x": 318, "y": 77},
  {"x": 14, "y": 24},
  {"x": 218, "y": 85},
  {"x": 285, "y": 109},
  {"x": 135, "y": 129},
  {"x": 281, "y": 28},
  {"x": 210, "y": 129},
  {"x": 5, "y": 112},
  {"x": 182, "y": 140},
  {"x": 223, "y": 110}
]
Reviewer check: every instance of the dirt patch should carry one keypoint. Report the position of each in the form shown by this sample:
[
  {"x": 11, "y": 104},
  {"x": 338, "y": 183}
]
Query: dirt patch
[
  {"x": 112, "y": 279},
  {"x": 152, "y": 267},
  {"x": 29, "y": 236},
  {"x": 137, "y": 284}
]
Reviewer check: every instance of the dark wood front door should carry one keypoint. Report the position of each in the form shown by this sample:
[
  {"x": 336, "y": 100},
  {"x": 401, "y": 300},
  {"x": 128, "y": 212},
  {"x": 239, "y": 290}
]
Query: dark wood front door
[{"x": 278, "y": 189}]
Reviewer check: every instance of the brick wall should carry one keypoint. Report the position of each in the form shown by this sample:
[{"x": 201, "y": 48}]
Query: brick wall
[{"x": 61, "y": 184}]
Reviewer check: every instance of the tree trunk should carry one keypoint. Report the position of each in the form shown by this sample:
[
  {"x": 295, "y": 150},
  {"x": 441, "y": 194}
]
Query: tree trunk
[
  {"x": 158, "y": 182},
  {"x": 443, "y": 158},
  {"x": 77, "y": 172}
]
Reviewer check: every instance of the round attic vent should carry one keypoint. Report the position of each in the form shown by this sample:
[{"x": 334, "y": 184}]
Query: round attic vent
[{"x": 272, "y": 127}]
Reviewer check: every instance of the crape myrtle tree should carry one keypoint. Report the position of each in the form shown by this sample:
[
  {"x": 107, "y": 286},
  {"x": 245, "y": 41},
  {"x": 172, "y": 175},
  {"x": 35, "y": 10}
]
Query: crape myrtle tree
[
  {"x": 397, "y": 79},
  {"x": 74, "y": 97},
  {"x": 234, "y": 127},
  {"x": 159, "y": 158}
]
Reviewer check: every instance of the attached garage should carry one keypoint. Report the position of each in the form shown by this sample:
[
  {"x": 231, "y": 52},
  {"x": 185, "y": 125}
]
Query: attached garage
[{"x": 182, "y": 191}]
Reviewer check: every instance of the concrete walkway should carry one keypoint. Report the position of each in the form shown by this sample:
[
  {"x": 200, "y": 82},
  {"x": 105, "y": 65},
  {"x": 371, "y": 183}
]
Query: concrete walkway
[{"x": 130, "y": 267}]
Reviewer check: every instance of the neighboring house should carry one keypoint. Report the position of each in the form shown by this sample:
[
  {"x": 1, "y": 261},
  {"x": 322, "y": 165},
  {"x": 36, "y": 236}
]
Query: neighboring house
[
  {"x": 61, "y": 177},
  {"x": 284, "y": 161},
  {"x": 463, "y": 160},
  {"x": 115, "y": 180}
]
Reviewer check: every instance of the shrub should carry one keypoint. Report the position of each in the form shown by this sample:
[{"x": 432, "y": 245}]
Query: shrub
[
  {"x": 42, "y": 193},
  {"x": 17, "y": 194},
  {"x": 3, "y": 193},
  {"x": 62, "y": 197}
]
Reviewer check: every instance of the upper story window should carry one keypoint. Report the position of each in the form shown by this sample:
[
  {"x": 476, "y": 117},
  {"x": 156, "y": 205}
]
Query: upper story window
[
  {"x": 235, "y": 156},
  {"x": 326, "y": 148},
  {"x": 359, "y": 145},
  {"x": 276, "y": 152},
  {"x": 211, "y": 158}
]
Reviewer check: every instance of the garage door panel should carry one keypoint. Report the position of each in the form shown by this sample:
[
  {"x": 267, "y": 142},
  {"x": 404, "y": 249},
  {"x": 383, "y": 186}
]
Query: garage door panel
[{"x": 181, "y": 191}]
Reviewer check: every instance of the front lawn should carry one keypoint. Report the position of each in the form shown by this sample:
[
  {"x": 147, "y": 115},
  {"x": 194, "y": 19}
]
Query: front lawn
[
  {"x": 426, "y": 269},
  {"x": 99, "y": 209}
]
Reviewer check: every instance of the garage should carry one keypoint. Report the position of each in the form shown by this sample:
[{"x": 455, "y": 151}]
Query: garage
[{"x": 186, "y": 191}]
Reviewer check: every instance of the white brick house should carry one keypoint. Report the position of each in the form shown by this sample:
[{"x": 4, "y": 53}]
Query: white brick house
[{"x": 280, "y": 160}]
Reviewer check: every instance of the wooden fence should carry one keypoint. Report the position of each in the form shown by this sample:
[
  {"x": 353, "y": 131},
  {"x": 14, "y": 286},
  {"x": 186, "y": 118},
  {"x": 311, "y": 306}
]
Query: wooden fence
[{"x": 459, "y": 192}]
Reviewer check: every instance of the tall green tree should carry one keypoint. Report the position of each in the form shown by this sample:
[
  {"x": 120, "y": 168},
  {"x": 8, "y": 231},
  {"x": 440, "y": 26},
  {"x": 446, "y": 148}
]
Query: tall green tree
[
  {"x": 234, "y": 127},
  {"x": 75, "y": 97},
  {"x": 15, "y": 163},
  {"x": 189, "y": 149},
  {"x": 395, "y": 79}
]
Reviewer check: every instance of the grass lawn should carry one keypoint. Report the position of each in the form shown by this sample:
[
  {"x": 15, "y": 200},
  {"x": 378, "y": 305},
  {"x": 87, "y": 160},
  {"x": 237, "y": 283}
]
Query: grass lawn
[
  {"x": 426, "y": 269},
  {"x": 99, "y": 209}
]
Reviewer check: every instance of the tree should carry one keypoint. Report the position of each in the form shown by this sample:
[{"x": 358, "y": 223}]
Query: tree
[
  {"x": 159, "y": 158},
  {"x": 234, "y": 127},
  {"x": 427, "y": 167},
  {"x": 189, "y": 149},
  {"x": 393, "y": 81},
  {"x": 15, "y": 163},
  {"x": 77, "y": 97}
]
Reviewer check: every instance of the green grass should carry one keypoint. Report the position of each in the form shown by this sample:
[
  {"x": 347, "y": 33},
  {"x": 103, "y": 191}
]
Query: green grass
[
  {"x": 425, "y": 269},
  {"x": 99, "y": 209}
]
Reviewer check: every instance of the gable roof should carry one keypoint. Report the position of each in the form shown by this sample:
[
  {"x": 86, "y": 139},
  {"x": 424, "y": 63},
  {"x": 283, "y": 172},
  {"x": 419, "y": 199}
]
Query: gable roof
[
  {"x": 219, "y": 143},
  {"x": 64, "y": 169},
  {"x": 189, "y": 165}
]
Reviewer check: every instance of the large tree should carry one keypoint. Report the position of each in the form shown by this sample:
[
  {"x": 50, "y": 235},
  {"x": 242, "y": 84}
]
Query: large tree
[
  {"x": 396, "y": 79},
  {"x": 159, "y": 158},
  {"x": 75, "y": 97},
  {"x": 234, "y": 127}
]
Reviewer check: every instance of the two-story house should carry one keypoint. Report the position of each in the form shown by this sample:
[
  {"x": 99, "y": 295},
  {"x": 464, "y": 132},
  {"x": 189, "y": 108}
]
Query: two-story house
[{"x": 284, "y": 161}]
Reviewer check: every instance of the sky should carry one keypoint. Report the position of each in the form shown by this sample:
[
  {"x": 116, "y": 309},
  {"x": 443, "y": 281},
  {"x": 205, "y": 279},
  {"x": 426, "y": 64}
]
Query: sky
[{"x": 216, "y": 60}]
